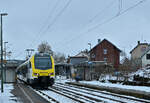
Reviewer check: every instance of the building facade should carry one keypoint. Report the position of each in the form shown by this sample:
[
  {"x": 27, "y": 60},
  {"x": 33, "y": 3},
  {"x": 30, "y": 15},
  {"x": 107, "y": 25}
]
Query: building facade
[
  {"x": 138, "y": 51},
  {"x": 77, "y": 59},
  {"x": 146, "y": 58},
  {"x": 106, "y": 51}
]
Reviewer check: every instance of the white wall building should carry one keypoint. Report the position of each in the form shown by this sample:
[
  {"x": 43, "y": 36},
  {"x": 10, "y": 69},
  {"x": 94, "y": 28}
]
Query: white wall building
[{"x": 146, "y": 58}]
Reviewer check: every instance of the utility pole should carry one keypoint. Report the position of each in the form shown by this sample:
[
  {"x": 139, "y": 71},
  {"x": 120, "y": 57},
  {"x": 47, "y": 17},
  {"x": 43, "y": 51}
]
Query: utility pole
[{"x": 2, "y": 14}]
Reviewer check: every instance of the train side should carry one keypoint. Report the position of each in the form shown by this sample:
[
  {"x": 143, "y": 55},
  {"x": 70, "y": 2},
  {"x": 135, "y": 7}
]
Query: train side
[{"x": 39, "y": 70}]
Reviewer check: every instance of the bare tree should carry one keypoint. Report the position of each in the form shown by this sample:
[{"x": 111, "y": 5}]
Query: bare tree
[
  {"x": 59, "y": 57},
  {"x": 123, "y": 54},
  {"x": 44, "y": 47}
]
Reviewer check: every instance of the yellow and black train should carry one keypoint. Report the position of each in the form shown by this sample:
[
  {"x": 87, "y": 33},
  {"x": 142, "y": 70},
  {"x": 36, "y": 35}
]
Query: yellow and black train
[{"x": 39, "y": 70}]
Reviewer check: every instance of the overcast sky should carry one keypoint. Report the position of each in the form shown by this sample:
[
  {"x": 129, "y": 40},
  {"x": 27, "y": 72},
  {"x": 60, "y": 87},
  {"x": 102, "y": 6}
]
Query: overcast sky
[{"x": 69, "y": 25}]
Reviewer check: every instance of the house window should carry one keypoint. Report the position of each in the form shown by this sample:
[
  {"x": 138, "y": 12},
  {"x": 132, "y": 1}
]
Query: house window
[
  {"x": 147, "y": 56},
  {"x": 105, "y": 51},
  {"x": 105, "y": 59}
]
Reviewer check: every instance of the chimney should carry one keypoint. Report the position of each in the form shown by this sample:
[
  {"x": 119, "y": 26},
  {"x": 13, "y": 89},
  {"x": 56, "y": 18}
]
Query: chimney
[
  {"x": 138, "y": 42},
  {"x": 99, "y": 40}
]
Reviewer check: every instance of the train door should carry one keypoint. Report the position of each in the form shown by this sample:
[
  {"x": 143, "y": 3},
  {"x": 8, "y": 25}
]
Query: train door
[{"x": 29, "y": 74}]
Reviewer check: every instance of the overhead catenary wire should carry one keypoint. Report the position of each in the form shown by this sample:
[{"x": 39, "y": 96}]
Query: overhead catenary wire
[
  {"x": 54, "y": 20},
  {"x": 58, "y": 15},
  {"x": 121, "y": 13},
  {"x": 91, "y": 20},
  {"x": 106, "y": 21},
  {"x": 110, "y": 19},
  {"x": 40, "y": 31},
  {"x": 51, "y": 24},
  {"x": 46, "y": 21},
  {"x": 119, "y": 6},
  {"x": 102, "y": 11}
]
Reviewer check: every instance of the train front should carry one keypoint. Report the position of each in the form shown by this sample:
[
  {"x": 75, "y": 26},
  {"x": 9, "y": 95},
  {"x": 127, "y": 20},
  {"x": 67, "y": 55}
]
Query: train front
[{"x": 43, "y": 69}]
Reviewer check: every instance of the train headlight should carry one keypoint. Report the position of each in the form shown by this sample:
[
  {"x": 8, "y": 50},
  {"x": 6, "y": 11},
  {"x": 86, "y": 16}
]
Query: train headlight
[
  {"x": 36, "y": 74},
  {"x": 51, "y": 74}
]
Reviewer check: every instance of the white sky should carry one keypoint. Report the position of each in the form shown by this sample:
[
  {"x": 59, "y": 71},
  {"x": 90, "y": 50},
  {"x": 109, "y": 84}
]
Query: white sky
[{"x": 29, "y": 22}]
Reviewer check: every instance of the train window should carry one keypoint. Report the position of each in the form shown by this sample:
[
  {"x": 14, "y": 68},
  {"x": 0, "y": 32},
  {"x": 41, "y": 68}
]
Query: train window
[{"x": 43, "y": 63}]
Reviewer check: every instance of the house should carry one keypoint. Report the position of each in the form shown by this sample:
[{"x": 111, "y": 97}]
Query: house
[
  {"x": 80, "y": 57},
  {"x": 106, "y": 51},
  {"x": 137, "y": 52},
  {"x": 84, "y": 53},
  {"x": 145, "y": 58}
]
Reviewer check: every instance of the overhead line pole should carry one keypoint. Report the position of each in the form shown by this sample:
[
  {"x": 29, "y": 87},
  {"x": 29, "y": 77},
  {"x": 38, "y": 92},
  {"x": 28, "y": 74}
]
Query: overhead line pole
[{"x": 2, "y": 14}]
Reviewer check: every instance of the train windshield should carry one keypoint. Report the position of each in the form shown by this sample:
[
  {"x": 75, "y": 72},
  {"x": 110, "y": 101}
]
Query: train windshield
[{"x": 43, "y": 63}]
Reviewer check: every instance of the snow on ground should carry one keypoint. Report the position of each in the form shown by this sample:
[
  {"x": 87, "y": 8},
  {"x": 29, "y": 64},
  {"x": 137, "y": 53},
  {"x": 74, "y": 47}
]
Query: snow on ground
[
  {"x": 58, "y": 97},
  {"x": 143, "y": 72},
  {"x": 138, "y": 88},
  {"x": 63, "y": 79},
  {"x": 6, "y": 96}
]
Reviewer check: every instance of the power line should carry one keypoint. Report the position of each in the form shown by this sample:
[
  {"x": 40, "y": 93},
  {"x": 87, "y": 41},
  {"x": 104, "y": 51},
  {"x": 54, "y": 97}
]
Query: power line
[
  {"x": 100, "y": 24},
  {"x": 92, "y": 19},
  {"x": 56, "y": 18},
  {"x": 49, "y": 16},
  {"x": 110, "y": 19},
  {"x": 38, "y": 34},
  {"x": 119, "y": 6},
  {"x": 102, "y": 11},
  {"x": 58, "y": 15},
  {"x": 52, "y": 23}
]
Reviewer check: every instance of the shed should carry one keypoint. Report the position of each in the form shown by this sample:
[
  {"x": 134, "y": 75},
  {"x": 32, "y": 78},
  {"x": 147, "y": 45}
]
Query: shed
[
  {"x": 10, "y": 70},
  {"x": 91, "y": 70},
  {"x": 63, "y": 69}
]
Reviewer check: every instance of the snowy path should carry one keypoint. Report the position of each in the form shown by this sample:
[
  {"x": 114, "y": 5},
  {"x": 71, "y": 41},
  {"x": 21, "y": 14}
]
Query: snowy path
[{"x": 7, "y": 96}]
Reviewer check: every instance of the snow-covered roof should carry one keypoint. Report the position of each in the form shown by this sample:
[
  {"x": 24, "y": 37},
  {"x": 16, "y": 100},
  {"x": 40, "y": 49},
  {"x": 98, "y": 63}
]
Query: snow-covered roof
[
  {"x": 108, "y": 42},
  {"x": 82, "y": 54}
]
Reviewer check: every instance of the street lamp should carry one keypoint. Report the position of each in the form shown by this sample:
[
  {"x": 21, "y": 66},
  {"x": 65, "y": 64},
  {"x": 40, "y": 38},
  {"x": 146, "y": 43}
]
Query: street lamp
[{"x": 2, "y": 14}]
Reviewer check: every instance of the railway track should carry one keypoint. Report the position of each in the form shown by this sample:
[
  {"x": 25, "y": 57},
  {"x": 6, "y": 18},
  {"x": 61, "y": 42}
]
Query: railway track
[
  {"x": 78, "y": 94},
  {"x": 73, "y": 96},
  {"x": 51, "y": 99},
  {"x": 39, "y": 92},
  {"x": 102, "y": 95}
]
